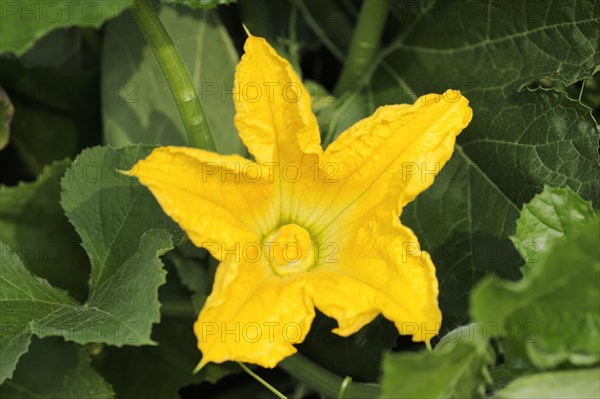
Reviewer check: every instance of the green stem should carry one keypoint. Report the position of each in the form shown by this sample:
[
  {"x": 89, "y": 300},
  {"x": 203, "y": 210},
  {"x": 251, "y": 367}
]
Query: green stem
[
  {"x": 344, "y": 387},
  {"x": 365, "y": 42},
  {"x": 293, "y": 40},
  {"x": 177, "y": 76},
  {"x": 324, "y": 381},
  {"x": 318, "y": 16},
  {"x": 177, "y": 309},
  {"x": 263, "y": 382}
]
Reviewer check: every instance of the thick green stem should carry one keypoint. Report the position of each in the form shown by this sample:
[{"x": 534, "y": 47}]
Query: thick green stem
[
  {"x": 365, "y": 42},
  {"x": 176, "y": 74},
  {"x": 324, "y": 381}
]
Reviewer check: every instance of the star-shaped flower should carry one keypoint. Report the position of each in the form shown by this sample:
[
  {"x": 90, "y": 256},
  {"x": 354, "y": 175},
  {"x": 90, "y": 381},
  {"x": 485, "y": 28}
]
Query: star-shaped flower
[{"x": 300, "y": 228}]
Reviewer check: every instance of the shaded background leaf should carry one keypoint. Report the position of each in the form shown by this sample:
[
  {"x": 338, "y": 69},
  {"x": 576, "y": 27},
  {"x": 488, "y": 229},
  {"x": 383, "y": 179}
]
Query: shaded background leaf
[
  {"x": 6, "y": 114},
  {"x": 55, "y": 90},
  {"x": 358, "y": 356},
  {"x": 204, "y": 4},
  {"x": 33, "y": 223},
  {"x": 55, "y": 370},
  {"x": 137, "y": 104},
  {"x": 519, "y": 140}
]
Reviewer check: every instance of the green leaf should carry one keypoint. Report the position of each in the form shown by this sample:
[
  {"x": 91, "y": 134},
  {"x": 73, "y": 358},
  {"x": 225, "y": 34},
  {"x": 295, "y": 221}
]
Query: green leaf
[
  {"x": 111, "y": 211},
  {"x": 120, "y": 310},
  {"x": 33, "y": 224},
  {"x": 26, "y": 21},
  {"x": 42, "y": 136},
  {"x": 519, "y": 140},
  {"x": 554, "y": 311},
  {"x": 6, "y": 114},
  {"x": 196, "y": 270},
  {"x": 469, "y": 333},
  {"x": 282, "y": 27},
  {"x": 581, "y": 384},
  {"x": 123, "y": 231},
  {"x": 336, "y": 115},
  {"x": 18, "y": 292},
  {"x": 137, "y": 104},
  {"x": 71, "y": 49},
  {"x": 56, "y": 111},
  {"x": 358, "y": 356},
  {"x": 464, "y": 222},
  {"x": 456, "y": 370},
  {"x": 160, "y": 371},
  {"x": 551, "y": 215},
  {"x": 330, "y": 23},
  {"x": 204, "y": 4},
  {"x": 55, "y": 370},
  {"x": 191, "y": 264},
  {"x": 58, "y": 90}
]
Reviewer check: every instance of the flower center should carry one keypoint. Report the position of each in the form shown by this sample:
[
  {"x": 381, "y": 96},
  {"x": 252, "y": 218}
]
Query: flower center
[{"x": 289, "y": 250}]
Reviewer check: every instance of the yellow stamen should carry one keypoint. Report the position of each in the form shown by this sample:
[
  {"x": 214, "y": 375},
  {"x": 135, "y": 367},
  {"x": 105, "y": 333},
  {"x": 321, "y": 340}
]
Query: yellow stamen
[{"x": 289, "y": 250}]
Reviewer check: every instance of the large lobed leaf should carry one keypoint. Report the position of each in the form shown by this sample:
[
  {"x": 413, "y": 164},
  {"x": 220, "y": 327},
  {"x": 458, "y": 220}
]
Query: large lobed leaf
[
  {"x": 123, "y": 231},
  {"x": 519, "y": 139},
  {"x": 26, "y": 21}
]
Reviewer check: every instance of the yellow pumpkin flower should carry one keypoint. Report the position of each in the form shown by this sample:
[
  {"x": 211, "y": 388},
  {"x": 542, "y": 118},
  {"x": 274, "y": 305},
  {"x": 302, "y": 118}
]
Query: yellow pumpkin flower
[{"x": 300, "y": 228}]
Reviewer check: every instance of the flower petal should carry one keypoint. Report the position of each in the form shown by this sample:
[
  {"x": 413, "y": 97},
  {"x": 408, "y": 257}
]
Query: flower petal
[
  {"x": 387, "y": 159},
  {"x": 252, "y": 315},
  {"x": 274, "y": 116},
  {"x": 219, "y": 201},
  {"x": 256, "y": 317},
  {"x": 379, "y": 269}
]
